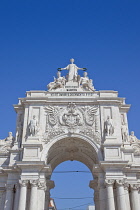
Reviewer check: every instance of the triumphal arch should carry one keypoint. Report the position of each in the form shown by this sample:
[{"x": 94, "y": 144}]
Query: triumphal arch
[{"x": 70, "y": 121}]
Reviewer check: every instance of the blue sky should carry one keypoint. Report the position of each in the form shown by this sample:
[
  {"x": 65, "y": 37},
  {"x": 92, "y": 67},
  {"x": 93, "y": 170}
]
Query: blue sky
[{"x": 37, "y": 37}]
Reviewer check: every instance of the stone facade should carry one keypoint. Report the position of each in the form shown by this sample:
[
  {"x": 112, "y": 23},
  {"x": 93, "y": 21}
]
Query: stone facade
[{"x": 70, "y": 121}]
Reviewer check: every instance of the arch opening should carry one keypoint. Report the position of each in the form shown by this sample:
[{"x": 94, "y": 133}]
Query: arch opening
[
  {"x": 73, "y": 148},
  {"x": 72, "y": 185}
]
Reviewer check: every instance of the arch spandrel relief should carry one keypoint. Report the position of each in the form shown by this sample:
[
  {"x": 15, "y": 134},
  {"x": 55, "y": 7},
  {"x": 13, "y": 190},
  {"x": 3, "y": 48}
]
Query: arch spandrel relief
[{"x": 72, "y": 119}]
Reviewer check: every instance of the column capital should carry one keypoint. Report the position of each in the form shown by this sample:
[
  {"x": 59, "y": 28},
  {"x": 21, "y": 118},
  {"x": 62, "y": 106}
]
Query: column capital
[
  {"x": 23, "y": 183},
  {"x": 119, "y": 182},
  {"x": 42, "y": 185},
  {"x": 109, "y": 182},
  {"x": 134, "y": 186},
  {"x": 93, "y": 184},
  {"x": 50, "y": 184},
  {"x": 126, "y": 186},
  {"x": 34, "y": 183}
]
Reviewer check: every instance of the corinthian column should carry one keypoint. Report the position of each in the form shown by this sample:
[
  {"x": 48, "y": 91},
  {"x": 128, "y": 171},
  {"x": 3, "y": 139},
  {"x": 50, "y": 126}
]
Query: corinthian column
[
  {"x": 134, "y": 196},
  {"x": 33, "y": 197},
  {"x": 23, "y": 194},
  {"x": 9, "y": 197},
  {"x": 16, "y": 201},
  {"x": 49, "y": 185},
  {"x": 127, "y": 198},
  {"x": 110, "y": 195},
  {"x": 41, "y": 195},
  {"x": 120, "y": 195}
]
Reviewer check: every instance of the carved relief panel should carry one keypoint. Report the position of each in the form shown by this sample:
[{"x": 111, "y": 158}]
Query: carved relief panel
[{"x": 72, "y": 119}]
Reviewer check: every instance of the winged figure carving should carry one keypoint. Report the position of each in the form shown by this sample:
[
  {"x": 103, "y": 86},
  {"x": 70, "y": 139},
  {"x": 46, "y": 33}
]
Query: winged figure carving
[
  {"x": 52, "y": 114},
  {"x": 90, "y": 114}
]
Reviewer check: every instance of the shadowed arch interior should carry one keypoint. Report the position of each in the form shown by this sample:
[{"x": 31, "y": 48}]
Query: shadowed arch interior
[{"x": 72, "y": 148}]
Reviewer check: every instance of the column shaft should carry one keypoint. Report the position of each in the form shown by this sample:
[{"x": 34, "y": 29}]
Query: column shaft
[
  {"x": 33, "y": 197},
  {"x": 135, "y": 197},
  {"x": 110, "y": 195},
  {"x": 120, "y": 195},
  {"x": 23, "y": 195},
  {"x": 121, "y": 198},
  {"x": 16, "y": 201},
  {"x": 127, "y": 198},
  {"x": 9, "y": 198}
]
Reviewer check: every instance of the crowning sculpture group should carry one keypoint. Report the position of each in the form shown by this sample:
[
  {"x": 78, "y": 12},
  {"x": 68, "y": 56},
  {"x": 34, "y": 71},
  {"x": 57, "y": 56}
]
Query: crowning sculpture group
[{"x": 84, "y": 82}]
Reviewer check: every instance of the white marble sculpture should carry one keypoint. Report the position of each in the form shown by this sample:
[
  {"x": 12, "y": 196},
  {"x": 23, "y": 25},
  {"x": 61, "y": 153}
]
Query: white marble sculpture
[
  {"x": 86, "y": 83},
  {"x": 19, "y": 131},
  {"x": 132, "y": 138},
  {"x": 124, "y": 132},
  {"x": 135, "y": 142},
  {"x": 109, "y": 128},
  {"x": 7, "y": 143},
  {"x": 73, "y": 71},
  {"x": 59, "y": 82},
  {"x": 33, "y": 126}
]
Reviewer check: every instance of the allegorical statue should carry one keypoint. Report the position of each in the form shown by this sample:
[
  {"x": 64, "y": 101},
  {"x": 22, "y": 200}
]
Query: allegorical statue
[
  {"x": 73, "y": 71},
  {"x": 86, "y": 83},
  {"x": 33, "y": 126},
  {"x": 133, "y": 139},
  {"x": 109, "y": 128},
  {"x": 7, "y": 143},
  {"x": 124, "y": 132},
  {"x": 59, "y": 82}
]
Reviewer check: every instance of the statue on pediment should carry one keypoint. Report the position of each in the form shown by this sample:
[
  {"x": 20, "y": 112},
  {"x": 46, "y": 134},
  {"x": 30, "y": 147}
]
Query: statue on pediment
[
  {"x": 59, "y": 82},
  {"x": 86, "y": 83},
  {"x": 73, "y": 71}
]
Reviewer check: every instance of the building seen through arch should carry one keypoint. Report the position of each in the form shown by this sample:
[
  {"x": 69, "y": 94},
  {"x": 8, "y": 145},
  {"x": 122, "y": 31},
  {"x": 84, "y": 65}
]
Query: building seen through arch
[{"x": 70, "y": 121}]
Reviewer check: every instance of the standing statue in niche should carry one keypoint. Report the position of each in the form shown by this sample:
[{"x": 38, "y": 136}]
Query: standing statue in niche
[
  {"x": 33, "y": 126},
  {"x": 19, "y": 131},
  {"x": 73, "y": 71},
  {"x": 109, "y": 128},
  {"x": 124, "y": 132},
  {"x": 86, "y": 82}
]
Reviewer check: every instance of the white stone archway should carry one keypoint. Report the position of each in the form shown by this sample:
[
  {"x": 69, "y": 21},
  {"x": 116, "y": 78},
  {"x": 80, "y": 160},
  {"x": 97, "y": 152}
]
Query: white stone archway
[{"x": 70, "y": 121}]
